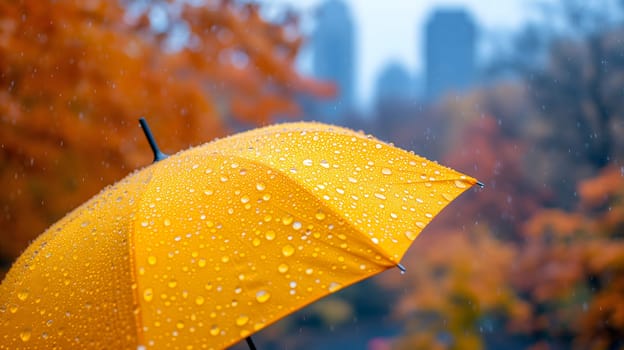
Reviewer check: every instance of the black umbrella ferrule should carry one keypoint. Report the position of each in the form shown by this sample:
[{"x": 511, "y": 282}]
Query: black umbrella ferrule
[{"x": 158, "y": 154}]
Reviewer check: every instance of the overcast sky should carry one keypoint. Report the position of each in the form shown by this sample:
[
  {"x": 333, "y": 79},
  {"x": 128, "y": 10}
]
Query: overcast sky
[{"x": 391, "y": 29}]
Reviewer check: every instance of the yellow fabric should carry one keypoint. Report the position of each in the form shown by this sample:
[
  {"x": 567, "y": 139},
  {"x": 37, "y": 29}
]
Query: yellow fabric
[
  {"x": 71, "y": 288},
  {"x": 231, "y": 236}
]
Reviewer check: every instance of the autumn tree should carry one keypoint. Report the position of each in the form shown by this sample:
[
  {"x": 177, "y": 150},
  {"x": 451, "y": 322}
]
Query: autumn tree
[
  {"x": 76, "y": 75},
  {"x": 571, "y": 271}
]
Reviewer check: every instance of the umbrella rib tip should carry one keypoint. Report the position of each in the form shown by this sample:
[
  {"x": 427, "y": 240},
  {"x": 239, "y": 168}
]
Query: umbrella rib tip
[
  {"x": 402, "y": 268},
  {"x": 480, "y": 184}
]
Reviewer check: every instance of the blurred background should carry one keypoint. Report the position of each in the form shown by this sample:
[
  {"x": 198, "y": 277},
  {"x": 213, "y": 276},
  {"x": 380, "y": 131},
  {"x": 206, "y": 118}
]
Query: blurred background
[{"x": 526, "y": 96}]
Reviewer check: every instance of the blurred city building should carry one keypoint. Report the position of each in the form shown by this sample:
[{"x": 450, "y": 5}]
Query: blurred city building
[
  {"x": 333, "y": 58},
  {"x": 394, "y": 83},
  {"x": 450, "y": 52},
  {"x": 394, "y": 98}
]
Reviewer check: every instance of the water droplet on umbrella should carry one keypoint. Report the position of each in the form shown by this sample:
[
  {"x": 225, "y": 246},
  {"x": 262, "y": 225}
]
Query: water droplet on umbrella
[
  {"x": 288, "y": 250},
  {"x": 255, "y": 242},
  {"x": 167, "y": 222},
  {"x": 420, "y": 224},
  {"x": 260, "y": 186},
  {"x": 172, "y": 283},
  {"x": 180, "y": 325},
  {"x": 151, "y": 260},
  {"x": 447, "y": 196},
  {"x": 199, "y": 300},
  {"x": 23, "y": 295},
  {"x": 334, "y": 286},
  {"x": 270, "y": 235},
  {"x": 375, "y": 240},
  {"x": 386, "y": 171},
  {"x": 201, "y": 262},
  {"x": 25, "y": 335},
  {"x": 287, "y": 220},
  {"x": 411, "y": 235},
  {"x": 244, "y": 199},
  {"x": 144, "y": 223},
  {"x": 324, "y": 164},
  {"x": 148, "y": 294},
  {"x": 242, "y": 320},
  {"x": 378, "y": 146},
  {"x": 460, "y": 184},
  {"x": 262, "y": 296},
  {"x": 319, "y": 215},
  {"x": 282, "y": 268},
  {"x": 296, "y": 225},
  {"x": 380, "y": 196},
  {"x": 307, "y": 162},
  {"x": 214, "y": 330}
]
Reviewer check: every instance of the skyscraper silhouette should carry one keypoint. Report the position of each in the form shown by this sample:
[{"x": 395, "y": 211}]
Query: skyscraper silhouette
[
  {"x": 334, "y": 57},
  {"x": 449, "y": 52}
]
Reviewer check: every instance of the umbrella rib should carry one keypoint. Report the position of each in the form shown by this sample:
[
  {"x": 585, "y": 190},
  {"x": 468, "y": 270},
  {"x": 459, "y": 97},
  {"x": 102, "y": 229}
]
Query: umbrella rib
[{"x": 376, "y": 248}]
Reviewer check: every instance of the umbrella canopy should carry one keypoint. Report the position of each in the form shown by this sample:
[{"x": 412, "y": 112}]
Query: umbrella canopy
[{"x": 210, "y": 245}]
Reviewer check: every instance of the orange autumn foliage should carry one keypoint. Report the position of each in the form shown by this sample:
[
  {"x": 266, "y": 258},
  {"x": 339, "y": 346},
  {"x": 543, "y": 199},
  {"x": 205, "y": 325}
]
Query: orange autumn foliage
[
  {"x": 571, "y": 269},
  {"x": 76, "y": 75}
]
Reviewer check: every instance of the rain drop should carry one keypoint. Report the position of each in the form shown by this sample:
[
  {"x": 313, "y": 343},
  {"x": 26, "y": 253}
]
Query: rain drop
[
  {"x": 23, "y": 295},
  {"x": 334, "y": 286},
  {"x": 262, "y": 296},
  {"x": 296, "y": 225},
  {"x": 151, "y": 260},
  {"x": 270, "y": 235},
  {"x": 242, "y": 320},
  {"x": 375, "y": 240},
  {"x": 324, "y": 164},
  {"x": 287, "y": 220},
  {"x": 282, "y": 268},
  {"x": 420, "y": 224},
  {"x": 319, "y": 215},
  {"x": 244, "y": 199},
  {"x": 447, "y": 196},
  {"x": 386, "y": 171},
  {"x": 411, "y": 235},
  {"x": 288, "y": 250},
  {"x": 148, "y": 294},
  {"x": 460, "y": 184},
  {"x": 260, "y": 186},
  {"x": 25, "y": 335},
  {"x": 307, "y": 162},
  {"x": 380, "y": 196}
]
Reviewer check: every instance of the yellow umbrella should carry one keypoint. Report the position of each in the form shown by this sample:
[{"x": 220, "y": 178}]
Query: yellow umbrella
[{"x": 210, "y": 245}]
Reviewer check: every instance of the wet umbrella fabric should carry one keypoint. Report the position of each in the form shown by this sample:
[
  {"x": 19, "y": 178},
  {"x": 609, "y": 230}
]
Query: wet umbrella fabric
[{"x": 213, "y": 244}]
